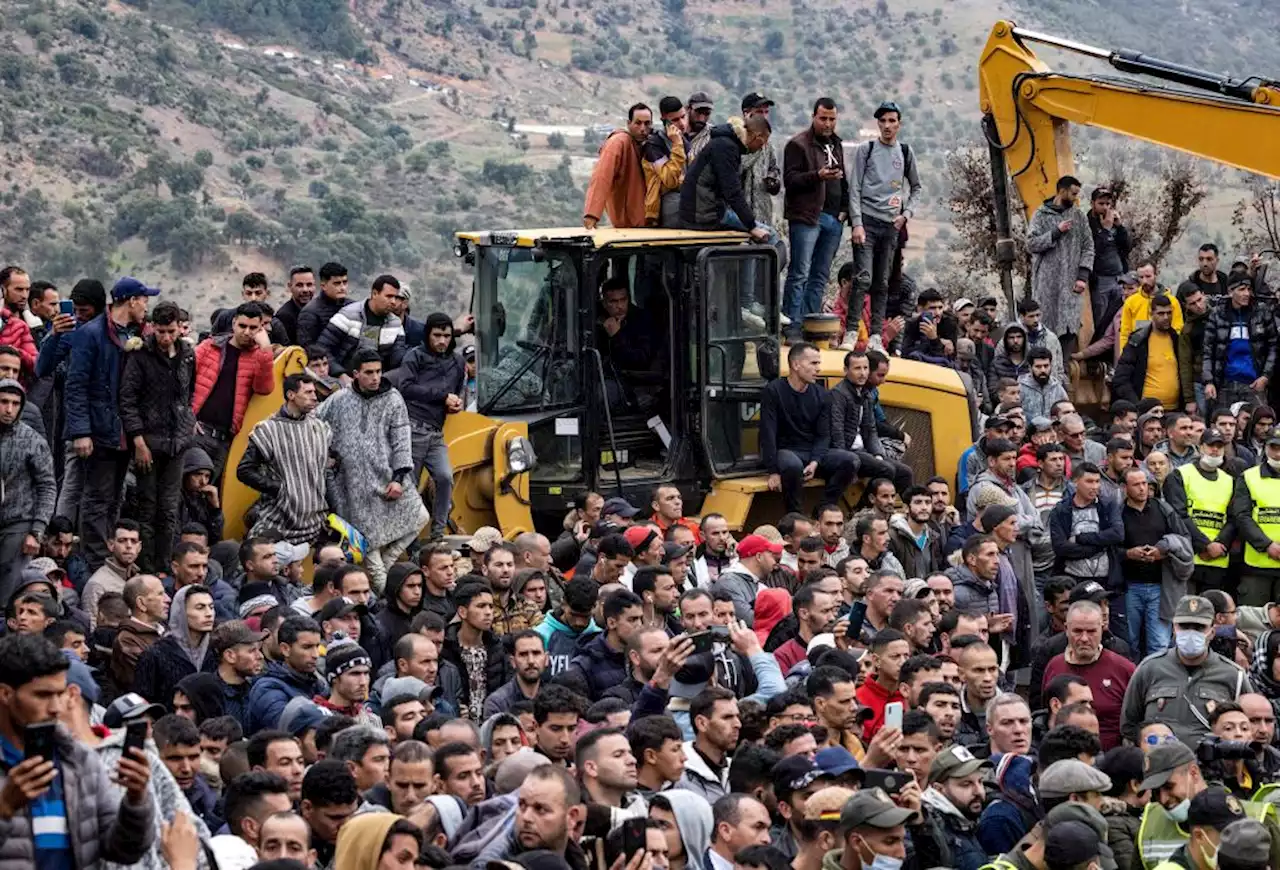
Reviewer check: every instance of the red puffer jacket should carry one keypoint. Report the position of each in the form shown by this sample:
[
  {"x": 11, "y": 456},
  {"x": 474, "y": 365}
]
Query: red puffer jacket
[
  {"x": 254, "y": 374},
  {"x": 15, "y": 333}
]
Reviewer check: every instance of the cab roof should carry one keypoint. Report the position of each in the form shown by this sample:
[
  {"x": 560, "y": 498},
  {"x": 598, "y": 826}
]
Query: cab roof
[{"x": 601, "y": 236}]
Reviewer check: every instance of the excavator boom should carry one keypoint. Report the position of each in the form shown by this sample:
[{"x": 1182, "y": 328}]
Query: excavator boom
[{"x": 1027, "y": 109}]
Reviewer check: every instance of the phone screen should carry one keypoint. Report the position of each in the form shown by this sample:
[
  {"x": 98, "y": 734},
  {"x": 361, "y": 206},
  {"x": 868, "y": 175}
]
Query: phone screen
[{"x": 67, "y": 307}]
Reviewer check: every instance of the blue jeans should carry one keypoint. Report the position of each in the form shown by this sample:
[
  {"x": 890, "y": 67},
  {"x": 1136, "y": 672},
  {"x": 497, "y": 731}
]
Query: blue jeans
[
  {"x": 1142, "y": 606},
  {"x": 430, "y": 452},
  {"x": 812, "y": 250}
]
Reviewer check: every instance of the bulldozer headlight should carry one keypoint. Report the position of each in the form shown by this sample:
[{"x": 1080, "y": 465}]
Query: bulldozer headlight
[{"x": 520, "y": 455}]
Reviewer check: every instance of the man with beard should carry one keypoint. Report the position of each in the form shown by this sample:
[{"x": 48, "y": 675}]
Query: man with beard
[
  {"x": 1040, "y": 388},
  {"x": 372, "y": 487},
  {"x": 913, "y": 540},
  {"x": 293, "y": 675},
  {"x": 1107, "y": 673},
  {"x": 716, "y": 724},
  {"x": 617, "y": 184},
  {"x": 656, "y": 587},
  {"x": 459, "y": 772},
  {"x": 717, "y": 549},
  {"x": 528, "y": 661},
  {"x": 1061, "y": 246},
  {"x": 302, "y": 288},
  {"x": 954, "y": 800},
  {"x": 1010, "y": 359},
  {"x": 511, "y": 613},
  {"x": 549, "y": 815},
  {"x": 238, "y": 650},
  {"x": 941, "y": 701}
]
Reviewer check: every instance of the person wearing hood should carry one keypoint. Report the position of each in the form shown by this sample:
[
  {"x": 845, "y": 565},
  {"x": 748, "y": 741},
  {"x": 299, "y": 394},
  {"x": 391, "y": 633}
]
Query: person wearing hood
[
  {"x": 26, "y": 476},
  {"x": 1010, "y": 358},
  {"x": 686, "y": 821},
  {"x": 954, "y": 800},
  {"x": 914, "y": 541},
  {"x": 198, "y": 697},
  {"x": 184, "y": 650},
  {"x": 472, "y": 647},
  {"x": 617, "y": 185},
  {"x": 293, "y": 676},
  {"x": 1061, "y": 248},
  {"x": 712, "y": 196},
  {"x": 285, "y": 460},
  {"x": 155, "y": 410},
  {"x": 1040, "y": 388},
  {"x": 431, "y": 379},
  {"x": 403, "y": 599},
  {"x": 200, "y": 500},
  {"x": 372, "y": 486},
  {"x": 1037, "y": 336},
  {"x": 572, "y": 625},
  {"x": 377, "y": 841},
  {"x": 602, "y": 661}
]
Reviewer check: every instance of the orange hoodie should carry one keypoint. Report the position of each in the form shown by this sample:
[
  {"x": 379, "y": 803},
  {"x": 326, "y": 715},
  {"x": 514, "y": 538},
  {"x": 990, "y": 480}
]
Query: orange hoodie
[{"x": 617, "y": 183}]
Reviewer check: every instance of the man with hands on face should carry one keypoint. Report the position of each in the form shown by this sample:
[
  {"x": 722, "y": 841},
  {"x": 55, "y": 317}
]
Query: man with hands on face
[{"x": 33, "y": 689}]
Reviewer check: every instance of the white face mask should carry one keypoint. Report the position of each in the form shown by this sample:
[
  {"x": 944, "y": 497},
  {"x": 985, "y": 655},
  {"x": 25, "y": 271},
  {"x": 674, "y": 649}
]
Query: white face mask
[
  {"x": 1191, "y": 644},
  {"x": 880, "y": 862},
  {"x": 1211, "y": 462},
  {"x": 1274, "y": 463},
  {"x": 1179, "y": 813}
]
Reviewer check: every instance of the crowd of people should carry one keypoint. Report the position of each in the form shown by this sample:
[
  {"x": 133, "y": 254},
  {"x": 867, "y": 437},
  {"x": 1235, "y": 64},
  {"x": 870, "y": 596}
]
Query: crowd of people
[{"x": 1062, "y": 658}]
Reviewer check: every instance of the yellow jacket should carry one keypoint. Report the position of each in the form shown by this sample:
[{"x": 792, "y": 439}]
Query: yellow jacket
[{"x": 663, "y": 177}]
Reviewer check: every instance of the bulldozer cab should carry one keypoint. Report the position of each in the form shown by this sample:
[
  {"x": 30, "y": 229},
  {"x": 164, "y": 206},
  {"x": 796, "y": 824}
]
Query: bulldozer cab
[{"x": 670, "y": 395}]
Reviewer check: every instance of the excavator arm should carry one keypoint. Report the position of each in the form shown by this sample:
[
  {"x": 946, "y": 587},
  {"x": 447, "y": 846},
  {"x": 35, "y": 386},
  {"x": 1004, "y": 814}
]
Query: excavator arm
[{"x": 1027, "y": 109}]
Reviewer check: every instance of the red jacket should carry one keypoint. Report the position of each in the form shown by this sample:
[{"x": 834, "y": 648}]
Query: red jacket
[
  {"x": 255, "y": 373},
  {"x": 875, "y": 697},
  {"x": 15, "y": 333}
]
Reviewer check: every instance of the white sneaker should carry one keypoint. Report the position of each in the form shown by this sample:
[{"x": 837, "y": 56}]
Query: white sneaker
[
  {"x": 847, "y": 344},
  {"x": 874, "y": 343}
]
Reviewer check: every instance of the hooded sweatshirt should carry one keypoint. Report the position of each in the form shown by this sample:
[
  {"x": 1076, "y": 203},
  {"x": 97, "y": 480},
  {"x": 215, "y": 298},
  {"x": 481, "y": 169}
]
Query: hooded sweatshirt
[
  {"x": 694, "y": 820},
  {"x": 360, "y": 840},
  {"x": 204, "y": 691},
  {"x": 27, "y": 487},
  {"x": 1004, "y": 366},
  {"x": 195, "y": 507},
  {"x": 393, "y": 620},
  {"x": 172, "y": 657},
  {"x": 562, "y": 642}
]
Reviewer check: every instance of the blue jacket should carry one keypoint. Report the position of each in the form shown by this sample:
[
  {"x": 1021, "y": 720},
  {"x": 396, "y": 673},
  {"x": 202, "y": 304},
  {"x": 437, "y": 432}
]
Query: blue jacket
[
  {"x": 273, "y": 690},
  {"x": 1110, "y": 536},
  {"x": 600, "y": 666},
  {"x": 91, "y": 395}
]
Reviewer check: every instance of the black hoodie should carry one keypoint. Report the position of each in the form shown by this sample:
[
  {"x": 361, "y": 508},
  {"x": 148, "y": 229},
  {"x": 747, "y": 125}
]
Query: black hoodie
[
  {"x": 393, "y": 620},
  {"x": 714, "y": 182}
]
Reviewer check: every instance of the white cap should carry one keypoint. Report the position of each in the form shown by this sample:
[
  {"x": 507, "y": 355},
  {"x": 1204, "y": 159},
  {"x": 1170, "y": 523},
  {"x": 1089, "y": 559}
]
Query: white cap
[{"x": 962, "y": 302}]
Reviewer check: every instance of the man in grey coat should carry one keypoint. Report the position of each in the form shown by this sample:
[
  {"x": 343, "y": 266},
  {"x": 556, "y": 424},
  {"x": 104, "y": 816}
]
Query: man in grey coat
[
  {"x": 1061, "y": 247},
  {"x": 59, "y": 813},
  {"x": 757, "y": 556},
  {"x": 28, "y": 487}
]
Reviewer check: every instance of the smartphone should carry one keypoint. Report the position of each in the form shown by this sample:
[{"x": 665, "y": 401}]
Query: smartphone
[
  {"x": 890, "y": 781},
  {"x": 893, "y": 715},
  {"x": 857, "y": 616},
  {"x": 41, "y": 739},
  {"x": 634, "y": 838},
  {"x": 705, "y": 639},
  {"x": 135, "y": 735},
  {"x": 67, "y": 307}
]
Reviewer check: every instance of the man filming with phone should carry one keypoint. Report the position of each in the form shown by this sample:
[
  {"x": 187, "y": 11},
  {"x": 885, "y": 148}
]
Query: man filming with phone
[{"x": 46, "y": 772}]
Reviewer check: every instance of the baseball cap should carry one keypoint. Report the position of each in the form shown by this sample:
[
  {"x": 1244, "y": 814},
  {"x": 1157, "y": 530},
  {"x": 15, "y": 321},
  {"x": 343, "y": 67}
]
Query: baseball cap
[
  {"x": 1214, "y": 808},
  {"x": 404, "y": 292},
  {"x": 915, "y": 588},
  {"x": 1194, "y": 609},
  {"x": 128, "y": 707},
  {"x": 756, "y": 101},
  {"x": 672, "y": 550},
  {"x": 46, "y": 567},
  {"x": 620, "y": 507},
  {"x": 1163, "y": 760},
  {"x": 885, "y": 108},
  {"x": 336, "y": 608},
  {"x": 639, "y": 537},
  {"x": 603, "y": 528},
  {"x": 469, "y": 351},
  {"x": 128, "y": 288},
  {"x": 962, "y": 303},
  {"x": 995, "y": 422},
  {"x": 483, "y": 539},
  {"x": 1072, "y": 776},
  {"x": 954, "y": 763},
  {"x": 754, "y": 545},
  {"x": 402, "y": 686},
  {"x": 1129, "y": 279},
  {"x": 1090, "y": 590},
  {"x": 700, "y": 100},
  {"x": 1246, "y": 842},
  {"x": 836, "y": 761},
  {"x": 80, "y": 676},
  {"x": 990, "y": 302},
  {"x": 1213, "y": 436},
  {"x": 288, "y": 554},
  {"x": 1071, "y": 843},
  {"x": 1274, "y": 437},
  {"x": 872, "y": 808},
  {"x": 794, "y": 773},
  {"x": 233, "y": 633}
]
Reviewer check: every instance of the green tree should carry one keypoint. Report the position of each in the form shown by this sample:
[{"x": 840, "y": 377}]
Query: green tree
[{"x": 203, "y": 158}]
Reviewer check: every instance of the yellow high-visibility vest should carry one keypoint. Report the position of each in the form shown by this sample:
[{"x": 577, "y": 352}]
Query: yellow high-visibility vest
[
  {"x": 1207, "y": 502},
  {"x": 1265, "y": 492}
]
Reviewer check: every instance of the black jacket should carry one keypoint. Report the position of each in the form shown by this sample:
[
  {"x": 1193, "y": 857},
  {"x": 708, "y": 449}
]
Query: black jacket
[
  {"x": 1131, "y": 370},
  {"x": 287, "y": 318},
  {"x": 806, "y": 193},
  {"x": 316, "y": 316},
  {"x": 497, "y": 670},
  {"x": 393, "y": 621},
  {"x": 853, "y": 413},
  {"x": 162, "y": 666},
  {"x": 1120, "y": 237},
  {"x": 155, "y": 396},
  {"x": 1217, "y": 335},
  {"x": 425, "y": 379},
  {"x": 714, "y": 183}
]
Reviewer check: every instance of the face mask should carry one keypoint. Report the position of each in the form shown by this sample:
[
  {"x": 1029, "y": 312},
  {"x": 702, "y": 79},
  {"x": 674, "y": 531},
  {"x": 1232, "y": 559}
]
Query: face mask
[
  {"x": 1210, "y": 856},
  {"x": 1179, "y": 813},
  {"x": 883, "y": 862},
  {"x": 1211, "y": 462},
  {"x": 1274, "y": 463},
  {"x": 1191, "y": 644}
]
